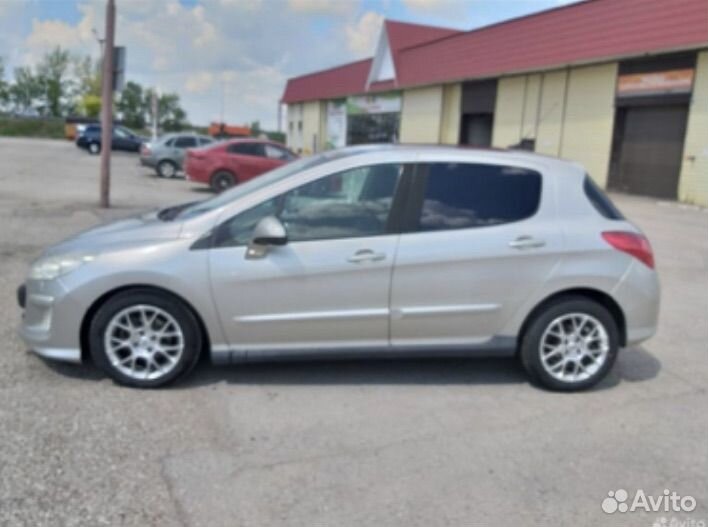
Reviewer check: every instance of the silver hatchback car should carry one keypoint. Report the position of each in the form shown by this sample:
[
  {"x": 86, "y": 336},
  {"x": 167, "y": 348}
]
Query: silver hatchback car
[{"x": 374, "y": 251}]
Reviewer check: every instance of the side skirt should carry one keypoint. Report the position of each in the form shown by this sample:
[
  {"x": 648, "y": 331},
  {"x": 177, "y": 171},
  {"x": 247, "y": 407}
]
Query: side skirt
[{"x": 498, "y": 346}]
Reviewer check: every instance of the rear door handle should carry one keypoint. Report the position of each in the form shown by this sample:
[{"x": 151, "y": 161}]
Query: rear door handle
[
  {"x": 526, "y": 242},
  {"x": 366, "y": 255}
]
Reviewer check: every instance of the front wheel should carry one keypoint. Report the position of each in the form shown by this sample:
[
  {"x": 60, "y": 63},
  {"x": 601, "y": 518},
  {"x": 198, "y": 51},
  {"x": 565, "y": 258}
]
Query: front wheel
[
  {"x": 94, "y": 148},
  {"x": 571, "y": 345},
  {"x": 144, "y": 338}
]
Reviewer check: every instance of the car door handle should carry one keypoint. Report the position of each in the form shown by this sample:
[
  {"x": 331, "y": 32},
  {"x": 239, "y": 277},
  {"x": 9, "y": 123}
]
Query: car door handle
[
  {"x": 526, "y": 242},
  {"x": 366, "y": 255}
]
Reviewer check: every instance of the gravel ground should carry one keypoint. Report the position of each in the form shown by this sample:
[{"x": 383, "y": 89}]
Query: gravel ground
[{"x": 410, "y": 443}]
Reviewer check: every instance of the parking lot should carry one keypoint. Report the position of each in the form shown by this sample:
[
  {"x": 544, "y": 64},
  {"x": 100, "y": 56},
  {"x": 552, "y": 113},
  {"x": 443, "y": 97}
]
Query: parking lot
[{"x": 378, "y": 443}]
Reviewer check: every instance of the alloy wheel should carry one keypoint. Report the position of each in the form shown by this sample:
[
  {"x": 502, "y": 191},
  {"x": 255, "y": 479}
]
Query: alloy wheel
[
  {"x": 574, "y": 347},
  {"x": 144, "y": 342}
]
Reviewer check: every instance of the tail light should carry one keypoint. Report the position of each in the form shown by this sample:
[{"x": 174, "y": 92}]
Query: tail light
[
  {"x": 144, "y": 150},
  {"x": 632, "y": 243}
]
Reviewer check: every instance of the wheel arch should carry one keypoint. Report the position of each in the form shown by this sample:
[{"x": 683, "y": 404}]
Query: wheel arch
[
  {"x": 595, "y": 295},
  {"x": 100, "y": 301}
]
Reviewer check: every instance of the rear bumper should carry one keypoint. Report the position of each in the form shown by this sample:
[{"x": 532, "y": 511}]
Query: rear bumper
[
  {"x": 148, "y": 162},
  {"x": 639, "y": 294}
]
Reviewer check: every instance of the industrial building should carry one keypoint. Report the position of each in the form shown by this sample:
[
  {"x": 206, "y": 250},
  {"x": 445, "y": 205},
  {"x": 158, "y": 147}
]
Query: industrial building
[{"x": 618, "y": 85}]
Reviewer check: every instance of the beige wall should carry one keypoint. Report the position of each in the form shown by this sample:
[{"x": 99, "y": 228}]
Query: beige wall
[
  {"x": 450, "y": 121},
  {"x": 693, "y": 183},
  {"x": 313, "y": 115},
  {"x": 508, "y": 110},
  {"x": 550, "y": 118},
  {"x": 570, "y": 113},
  {"x": 421, "y": 115},
  {"x": 531, "y": 104},
  {"x": 589, "y": 118}
]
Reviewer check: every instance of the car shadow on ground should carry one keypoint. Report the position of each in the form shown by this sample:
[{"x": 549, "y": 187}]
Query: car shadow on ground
[{"x": 633, "y": 365}]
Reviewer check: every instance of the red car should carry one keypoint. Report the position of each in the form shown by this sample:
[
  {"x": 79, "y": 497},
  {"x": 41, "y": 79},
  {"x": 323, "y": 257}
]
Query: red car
[{"x": 226, "y": 164}]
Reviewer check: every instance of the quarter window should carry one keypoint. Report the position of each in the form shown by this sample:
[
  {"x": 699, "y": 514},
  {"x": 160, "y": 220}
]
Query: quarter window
[
  {"x": 462, "y": 196},
  {"x": 274, "y": 152},
  {"x": 348, "y": 204}
]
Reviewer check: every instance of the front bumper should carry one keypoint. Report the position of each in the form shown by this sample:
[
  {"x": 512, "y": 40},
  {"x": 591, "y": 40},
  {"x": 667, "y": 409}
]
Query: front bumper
[{"x": 51, "y": 321}]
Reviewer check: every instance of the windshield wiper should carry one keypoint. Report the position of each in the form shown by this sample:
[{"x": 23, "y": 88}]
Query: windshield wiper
[{"x": 170, "y": 213}]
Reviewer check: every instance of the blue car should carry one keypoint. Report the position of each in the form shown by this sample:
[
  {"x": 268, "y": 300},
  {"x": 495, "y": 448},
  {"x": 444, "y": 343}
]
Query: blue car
[{"x": 123, "y": 139}]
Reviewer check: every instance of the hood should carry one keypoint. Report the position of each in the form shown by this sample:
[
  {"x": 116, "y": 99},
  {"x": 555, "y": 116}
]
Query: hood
[{"x": 136, "y": 230}]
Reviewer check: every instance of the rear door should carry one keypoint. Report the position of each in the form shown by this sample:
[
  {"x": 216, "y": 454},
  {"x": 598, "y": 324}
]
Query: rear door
[
  {"x": 246, "y": 160},
  {"x": 180, "y": 146},
  {"x": 481, "y": 239}
]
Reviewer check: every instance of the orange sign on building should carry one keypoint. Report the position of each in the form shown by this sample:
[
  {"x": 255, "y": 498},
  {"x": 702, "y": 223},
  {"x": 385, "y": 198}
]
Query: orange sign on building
[{"x": 655, "y": 83}]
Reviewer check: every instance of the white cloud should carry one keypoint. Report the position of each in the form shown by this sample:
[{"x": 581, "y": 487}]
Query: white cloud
[
  {"x": 199, "y": 82},
  {"x": 245, "y": 49},
  {"x": 362, "y": 36},
  {"x": 326, "y": 7},
  {"x": 440, "y": 9}
]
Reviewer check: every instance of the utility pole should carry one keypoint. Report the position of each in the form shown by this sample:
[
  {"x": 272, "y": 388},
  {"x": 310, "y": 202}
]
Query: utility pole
[{"x": 107, "y": 104}]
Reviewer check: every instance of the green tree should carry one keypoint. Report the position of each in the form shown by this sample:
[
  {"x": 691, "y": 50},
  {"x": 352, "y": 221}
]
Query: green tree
[
  {"x": 171, "y": 116},
  {"x": 52, "y": 73},
  {"x": 4, "y": 88},
  {"x": 26, "y": 91},
  {"x": 90, "y": 105},
  {"x": 87, "y": 73},
  {"x": 132, "y": 105}
]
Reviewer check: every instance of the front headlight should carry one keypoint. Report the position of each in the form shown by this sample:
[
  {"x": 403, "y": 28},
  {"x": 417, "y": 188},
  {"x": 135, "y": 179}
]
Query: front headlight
[{"x": 53, "y": 267}]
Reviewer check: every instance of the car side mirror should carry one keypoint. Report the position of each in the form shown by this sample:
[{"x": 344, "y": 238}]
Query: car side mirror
[{"x": 268, "y": 232}]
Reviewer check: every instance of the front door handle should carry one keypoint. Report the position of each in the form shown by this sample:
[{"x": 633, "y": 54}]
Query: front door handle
[
  {"x": 526, "y": 242},
  {"x": 366, "y": 255}
]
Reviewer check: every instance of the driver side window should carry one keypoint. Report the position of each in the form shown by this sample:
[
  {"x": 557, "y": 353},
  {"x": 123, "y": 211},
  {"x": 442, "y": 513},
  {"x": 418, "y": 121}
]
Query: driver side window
[{"x": 348, "y": 204}]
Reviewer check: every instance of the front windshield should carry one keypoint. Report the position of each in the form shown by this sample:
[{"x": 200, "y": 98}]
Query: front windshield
[{"x": 260, "y": 182}]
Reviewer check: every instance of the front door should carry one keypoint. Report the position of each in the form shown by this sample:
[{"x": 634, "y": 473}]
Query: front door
[
  {"x": 329, "y": 285},
  {"x": 481, "y": 243}
]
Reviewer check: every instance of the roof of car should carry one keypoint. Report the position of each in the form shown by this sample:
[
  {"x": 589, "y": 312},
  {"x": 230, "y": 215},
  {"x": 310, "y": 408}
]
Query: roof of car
[{"x": 508, "y": 155}]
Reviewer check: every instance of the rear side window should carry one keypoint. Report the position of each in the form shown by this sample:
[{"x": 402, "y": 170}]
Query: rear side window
[
  {"x": 247, "y": 149},
  {"x": 186, "y": 142},
  {"x": 600, "y": 201},
  {"x": 463, "y": 196}
]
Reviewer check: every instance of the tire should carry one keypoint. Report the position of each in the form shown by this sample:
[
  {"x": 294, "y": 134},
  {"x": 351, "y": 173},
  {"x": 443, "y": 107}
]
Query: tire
[
  {"x": 558, "y": 356},
  {"x": 148, "y": 360},
  {"x": 94, "y": 148},
  {"x": 222, "y": 180},
  {"x": 166, "y": 169}
]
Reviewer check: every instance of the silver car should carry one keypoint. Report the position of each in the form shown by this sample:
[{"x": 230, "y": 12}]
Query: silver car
[
  {"x": 166, "y": 154},
  {"x": 375, "y": 251}
]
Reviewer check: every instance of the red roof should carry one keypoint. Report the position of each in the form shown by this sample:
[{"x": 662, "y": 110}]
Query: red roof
[
  {"x": 587, "y": 31},
  {"x": 328, "y": 84},
  {"x": 402, "y": 35},
  {"x": 351, "y": 78}
]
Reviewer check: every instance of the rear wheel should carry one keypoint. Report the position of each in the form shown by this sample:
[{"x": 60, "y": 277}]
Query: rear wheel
[
  {"x": 94, "y": 148},
  {"x": 144, "y": 338},
  {"x": 222, "y": 180},
  {"x": 571, "y": 345},
  {"x": 166, "y": 169}
]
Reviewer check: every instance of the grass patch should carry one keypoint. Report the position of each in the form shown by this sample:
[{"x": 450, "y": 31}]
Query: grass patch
[{"x": 47, "y": 128}]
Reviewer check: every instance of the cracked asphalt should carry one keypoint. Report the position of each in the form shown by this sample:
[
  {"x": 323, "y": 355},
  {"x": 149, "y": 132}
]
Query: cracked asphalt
[{"x": 389, "y": 443}]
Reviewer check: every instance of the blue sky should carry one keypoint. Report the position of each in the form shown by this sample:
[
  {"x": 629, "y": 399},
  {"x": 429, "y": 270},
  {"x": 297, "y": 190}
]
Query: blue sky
[{"x": 240, "y": 50}]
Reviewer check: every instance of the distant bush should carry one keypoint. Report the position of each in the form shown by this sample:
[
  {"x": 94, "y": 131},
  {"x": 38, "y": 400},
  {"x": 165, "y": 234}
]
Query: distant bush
[{"x": 31, "y": 127}]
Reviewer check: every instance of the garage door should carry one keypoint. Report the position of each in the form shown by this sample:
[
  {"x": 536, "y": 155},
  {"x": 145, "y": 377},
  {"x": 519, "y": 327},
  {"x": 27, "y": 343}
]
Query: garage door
[{"x": 650, "y": 153}]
